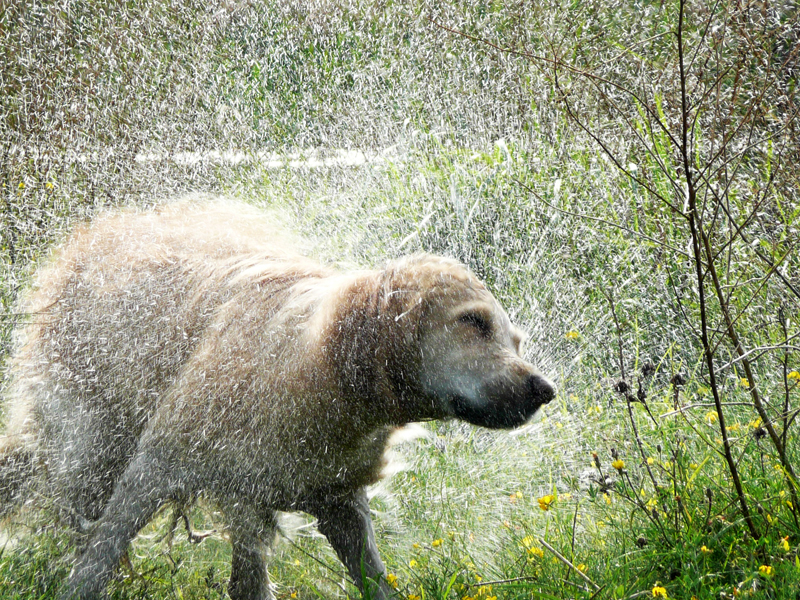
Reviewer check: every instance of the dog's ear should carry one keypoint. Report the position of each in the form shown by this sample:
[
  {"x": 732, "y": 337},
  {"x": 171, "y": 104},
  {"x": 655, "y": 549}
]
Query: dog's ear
[{"x": 373, "y": 341}]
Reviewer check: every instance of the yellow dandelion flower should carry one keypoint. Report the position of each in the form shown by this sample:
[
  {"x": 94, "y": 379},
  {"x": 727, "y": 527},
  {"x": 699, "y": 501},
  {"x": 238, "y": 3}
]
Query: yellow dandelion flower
[
  {"x": 650, "y": 460},
  {"x": 659, "y": 591},
  {"x": 413, "y": 597},
  {"x": 793, "y": 375},
  {"x": 391, "y": 579},
  {"x": 618, "y": 465},
  {"x": 765, "y": 570},
  {"x": 694, "y": 466},
  {"x": 49, "y": 185},
  {"x": 581, "y": 567},
  {"x": 744, "y": 382},
  {"x": 537, "y": 552},
  {"x": 412, "y": 563},
  {"x": 711, "y": 418},
  {"x": 437, "y": 543},
  {"x": 415, "y": 546},
  {"x": 21, "y": 185},
  {"x": 705, "y": 550},
  {"x": 755, "y": 423},
  {"x": 546, "y": 501},
  {"x": 293, "y": 594}
]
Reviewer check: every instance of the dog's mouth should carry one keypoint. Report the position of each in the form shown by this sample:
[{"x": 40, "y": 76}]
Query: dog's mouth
[{"x": 504, "y": 406}]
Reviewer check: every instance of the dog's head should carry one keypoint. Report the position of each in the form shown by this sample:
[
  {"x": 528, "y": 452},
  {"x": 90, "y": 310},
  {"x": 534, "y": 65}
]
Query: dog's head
[{"x": 461, "y": 353}]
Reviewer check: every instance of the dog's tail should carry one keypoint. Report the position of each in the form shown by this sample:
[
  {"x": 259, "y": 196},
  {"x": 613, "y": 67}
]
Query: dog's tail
[{"x": 17, "y": 451}]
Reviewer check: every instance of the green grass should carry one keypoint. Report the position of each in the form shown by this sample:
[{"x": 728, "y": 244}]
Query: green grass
[{"x": 483, "y": 166}]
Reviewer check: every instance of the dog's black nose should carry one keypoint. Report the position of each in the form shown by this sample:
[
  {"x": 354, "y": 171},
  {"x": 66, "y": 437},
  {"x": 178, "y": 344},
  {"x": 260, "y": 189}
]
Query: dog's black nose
[{"x": 541, "y": 389}]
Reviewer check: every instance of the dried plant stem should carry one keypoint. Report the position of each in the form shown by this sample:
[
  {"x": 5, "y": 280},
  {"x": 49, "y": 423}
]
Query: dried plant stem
[
  {"x": 564, "y": 560},
  {"x": 695, "y": 227}
]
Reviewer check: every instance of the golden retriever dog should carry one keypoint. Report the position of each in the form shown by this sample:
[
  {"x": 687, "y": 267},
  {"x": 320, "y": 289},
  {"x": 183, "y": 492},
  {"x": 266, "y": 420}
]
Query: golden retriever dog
[{"x": 185, "y": 351}]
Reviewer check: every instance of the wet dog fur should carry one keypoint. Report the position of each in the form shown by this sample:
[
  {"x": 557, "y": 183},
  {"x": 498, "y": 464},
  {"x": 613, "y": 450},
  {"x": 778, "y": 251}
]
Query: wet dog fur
[{"x": 185, "y": 351}]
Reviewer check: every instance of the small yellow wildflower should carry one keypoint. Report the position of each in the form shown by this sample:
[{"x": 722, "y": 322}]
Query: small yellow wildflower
[
  {"x": 667, "y": 464},
  {"x": 784, "y": 544},
  {"x": 769, "y": 518},
  {"x": 546, "y": 501},
  {"x": 49, "y": 185},
  {"x": 793, "y": 375},
  {"x": 572, "y": 335},
  {"x": 296, "y": 563},
  {"x": 437, "y": 543},
  {"x": 659, "y": 591},
  {"x": 711, "y": 418},
  {"x": 618, "y": 465},
  {"x": 412, "y": 563},
  {"x": 21, "y": 185},
  {"x": 529, "y": 543},
  {"x": 755, "y": 423},
  {"x": 391, "y": 579},
  {"x": 744, "y": 382},
  {"x": 650, "y": 460},
  {"x": 694, "y": 466},
  {"x": 581, "y": 567},
  {"x": 733, "y": 428},
  {"x": 415, "y": 546},
  {"x": 705, "y": 550},
  {"x": 765, "y": 570},
  {"x": 537, "y": 552},
  {"x": 293, "y": 594},
  {"x": 413, "y": 597},
  {"x": 607, "y": 498}
]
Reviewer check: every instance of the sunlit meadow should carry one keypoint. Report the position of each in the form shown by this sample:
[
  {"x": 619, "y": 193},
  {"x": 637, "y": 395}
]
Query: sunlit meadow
[{"x": 374, "y": 131}]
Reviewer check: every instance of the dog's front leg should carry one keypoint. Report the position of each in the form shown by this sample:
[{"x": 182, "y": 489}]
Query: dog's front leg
[{"x": 347, "y": 525}]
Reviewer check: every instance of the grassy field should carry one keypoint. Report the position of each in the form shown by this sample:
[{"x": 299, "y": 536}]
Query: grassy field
[{"x": 544, "y": 147}]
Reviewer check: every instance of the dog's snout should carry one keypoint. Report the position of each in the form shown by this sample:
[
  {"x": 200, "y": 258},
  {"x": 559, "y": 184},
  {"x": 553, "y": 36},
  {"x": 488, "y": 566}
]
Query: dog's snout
[{"x": 541, "y": 389}]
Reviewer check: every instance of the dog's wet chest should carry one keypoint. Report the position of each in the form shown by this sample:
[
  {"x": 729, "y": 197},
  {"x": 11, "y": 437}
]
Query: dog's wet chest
[{"x": 313, "y": 466}]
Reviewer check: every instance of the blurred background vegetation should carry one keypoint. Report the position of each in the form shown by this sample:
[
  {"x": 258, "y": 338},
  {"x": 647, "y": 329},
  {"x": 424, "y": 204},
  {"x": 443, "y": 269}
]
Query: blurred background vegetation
[{"x": 623, "y": 174}]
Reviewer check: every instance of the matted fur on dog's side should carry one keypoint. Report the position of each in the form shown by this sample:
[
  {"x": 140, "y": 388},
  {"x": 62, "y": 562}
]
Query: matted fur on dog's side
[{"x": 186, "y": 351}]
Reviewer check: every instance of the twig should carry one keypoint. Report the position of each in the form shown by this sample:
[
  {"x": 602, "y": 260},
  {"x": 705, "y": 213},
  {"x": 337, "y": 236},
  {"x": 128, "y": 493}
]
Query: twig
[{"x": 560, "y": 557}]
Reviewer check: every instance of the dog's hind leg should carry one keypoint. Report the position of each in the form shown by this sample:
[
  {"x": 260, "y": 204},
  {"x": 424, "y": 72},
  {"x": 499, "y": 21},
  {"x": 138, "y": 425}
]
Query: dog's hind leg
[
  {"x": 144, "y": 487},
  {"x": 252, "y": 532},
  {"x": 347, "y": 525}
]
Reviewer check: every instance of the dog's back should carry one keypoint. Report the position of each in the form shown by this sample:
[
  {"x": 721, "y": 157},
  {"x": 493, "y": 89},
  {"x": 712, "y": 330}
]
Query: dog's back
[{"x": 113, "y": 317}]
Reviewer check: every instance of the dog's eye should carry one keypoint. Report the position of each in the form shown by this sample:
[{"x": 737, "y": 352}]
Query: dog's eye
[{"x": 478, "y": 321}]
